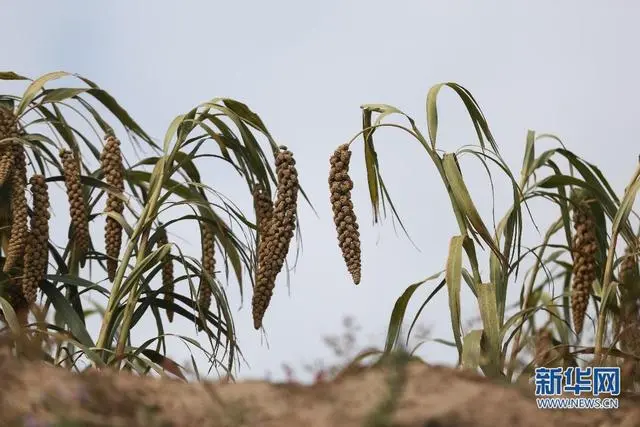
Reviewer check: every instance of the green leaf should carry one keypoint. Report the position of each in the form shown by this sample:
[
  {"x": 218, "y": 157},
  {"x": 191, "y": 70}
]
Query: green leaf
[
  {"x": 470, "y": 250},
  {"x": 384, "y": 110},
  {"x": 424, "y": 304},
  {"x": 471, "y": 350},
  {"x": 145, "y": 264},
  {"x": 76, "y": 281},
  {"x": 166, "y": 363},
  {"x": 491, "y": 327},
  {"x": 432, "y": 113},
  {"x": 123, "y": 116},
  {"x": 497, "y": 277},
  {"x": 370, "y": 159},
  {"x": 67, "y": 313},
  {"x": 453, "y": 279},
  {"x": 397, "y": 315},
  {"x": 10, "y": 316},
  {"x": 463, "y": 200},
  {"x": 477, "y": 118},
  {"x": 245, "y": 113},
  {"x": 10, "y": 75},
  {"x": 622, "y": 215},
  {"x": 32, "y": 91},
  {"x": 529, "y": 157},
  {"x": 59, "y": 95}
]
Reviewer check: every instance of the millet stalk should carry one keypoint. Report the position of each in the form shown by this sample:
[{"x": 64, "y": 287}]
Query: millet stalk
[{"x": 145, "y": 220}]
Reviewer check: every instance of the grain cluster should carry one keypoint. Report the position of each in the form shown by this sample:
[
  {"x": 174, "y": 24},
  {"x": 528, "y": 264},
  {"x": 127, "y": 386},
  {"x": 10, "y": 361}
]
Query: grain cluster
[
  {"x": 77, "y": 208},
  {"x": 167, "y": 273},
  {"x": 111, "y": 162},
  {"x": 344, "y": 217},
  {"x": 36, "y": 252},
  {"x": 8, "y": 132},
  {"x": 628, "y": 321},
  {"x": 19, "y": 209},
  {"x": 276, "y": 231},
  {"x": 628, "y": 267},
  {"x": 263, "y": 206},
  {"x": 207, "y": 240},
  {"x": 584, "y": 262},
  {"x": 13, "y": 174}
]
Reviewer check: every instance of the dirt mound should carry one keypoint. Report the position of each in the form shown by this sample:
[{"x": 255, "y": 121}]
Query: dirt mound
[{"x": 37, "y": 395}]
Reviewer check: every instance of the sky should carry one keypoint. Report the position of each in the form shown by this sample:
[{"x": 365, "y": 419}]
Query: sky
[{"x": 567, "y": 68}]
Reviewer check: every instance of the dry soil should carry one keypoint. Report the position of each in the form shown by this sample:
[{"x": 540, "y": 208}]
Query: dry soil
[{"x": 34, "y": 394}]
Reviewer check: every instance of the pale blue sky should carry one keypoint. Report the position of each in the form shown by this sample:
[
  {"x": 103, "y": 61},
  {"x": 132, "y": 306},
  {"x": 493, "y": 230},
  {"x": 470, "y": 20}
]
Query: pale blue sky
[{"x": 568, "y": 68}]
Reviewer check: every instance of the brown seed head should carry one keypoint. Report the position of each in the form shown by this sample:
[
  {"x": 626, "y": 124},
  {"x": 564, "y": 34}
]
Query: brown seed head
[
  {"x": 274, "y": 246},
  {"x": 8, "y": 129},
  {"x": 77, "y": 208},
  {"x": 208, "y": 267},
  {"x": 584, "y": 263},
  {"x": 264, "y": 213},
  {"x": 263, "y": 207},
  {"x": 167, "y": 273},
  {"x": 340, "y": 186},
  {"x": 19, "y": 211},
  {"x": 111, "y": 160},
  {"x": 36, "y": 252},
  {"x": 628, "y": 267}
]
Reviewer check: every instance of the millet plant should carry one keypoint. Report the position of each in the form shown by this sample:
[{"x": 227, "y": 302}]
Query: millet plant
[
  {"x": 65, "y": 140},
  {"x": 575, "y": 265},
  {"x": 143, "y": 271}
]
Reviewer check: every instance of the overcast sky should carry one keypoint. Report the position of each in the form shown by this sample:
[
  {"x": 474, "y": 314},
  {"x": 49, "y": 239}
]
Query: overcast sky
[{"x": 568, "y": 68}]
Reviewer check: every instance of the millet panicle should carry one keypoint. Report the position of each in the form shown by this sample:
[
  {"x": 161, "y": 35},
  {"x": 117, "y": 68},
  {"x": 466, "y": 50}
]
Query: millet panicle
[
  {"x": 628, "y": 267},
  {"x": 19, "y": 209},
  {"x": 111, "y": 160},
  {"x": 8, "y": 129},
  {"x": 37, "y": 251},
  {"x": 208, "y": 267},
  {"x": 167, "y": 273},
  {"x": 584, "y": 262},
  {"x": 344, "y": 217},
  {"x": 77, "y": 208},
  {"x": 275, "y": 243},
  {"x": 263, "y": 207}
]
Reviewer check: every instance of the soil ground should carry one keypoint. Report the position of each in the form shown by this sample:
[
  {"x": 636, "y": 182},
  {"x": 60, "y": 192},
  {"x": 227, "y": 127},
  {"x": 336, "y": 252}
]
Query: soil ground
[{"x": 33, "y": 394}]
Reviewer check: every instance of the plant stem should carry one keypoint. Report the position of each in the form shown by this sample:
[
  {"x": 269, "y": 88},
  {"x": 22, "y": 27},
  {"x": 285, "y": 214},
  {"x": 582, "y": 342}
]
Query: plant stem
[
  {"x": 146, "y": 222},
  {"x": 131, "y": 303},
  {"x": 74, "y": 271},
  {"x": 115, "y": 297}
]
